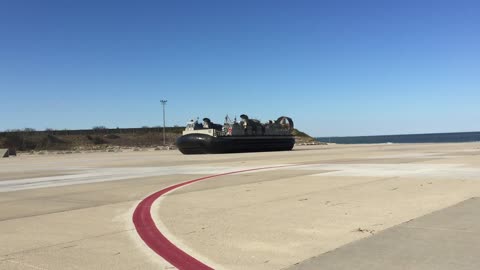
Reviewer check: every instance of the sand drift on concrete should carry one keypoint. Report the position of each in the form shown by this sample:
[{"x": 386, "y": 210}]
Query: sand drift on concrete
[
  {"x": 88, "y": 176},
  {"x": 153, "y": 237}
]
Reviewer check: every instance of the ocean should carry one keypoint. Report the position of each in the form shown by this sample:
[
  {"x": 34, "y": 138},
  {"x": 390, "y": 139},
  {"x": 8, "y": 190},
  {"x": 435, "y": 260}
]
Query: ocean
[{"x": 406, "y": 138}]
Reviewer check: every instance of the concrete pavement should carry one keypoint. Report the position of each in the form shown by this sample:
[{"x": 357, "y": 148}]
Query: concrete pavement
[
  {"x": 446, "y": 239},
  {"x": 75, "y": 211}
]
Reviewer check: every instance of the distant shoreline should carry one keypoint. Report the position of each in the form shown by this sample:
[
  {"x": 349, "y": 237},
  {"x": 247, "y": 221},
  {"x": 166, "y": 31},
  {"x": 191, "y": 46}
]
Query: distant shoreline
[{"x": 406, "y": 138}]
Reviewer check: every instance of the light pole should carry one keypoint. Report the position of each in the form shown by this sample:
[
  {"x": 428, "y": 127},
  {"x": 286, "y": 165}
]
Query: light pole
[{"x": 164, "y": 102}]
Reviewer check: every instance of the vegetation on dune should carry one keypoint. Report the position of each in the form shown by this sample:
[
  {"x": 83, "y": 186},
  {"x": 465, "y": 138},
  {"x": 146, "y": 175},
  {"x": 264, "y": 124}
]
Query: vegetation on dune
[
  {"x": 95, "y": 138},
  {"x": 302, "y": 137},
  {"x": 24, "y": 141},
  {"x": 299, "y": 133},
  {"x": 98, "y": 137}
]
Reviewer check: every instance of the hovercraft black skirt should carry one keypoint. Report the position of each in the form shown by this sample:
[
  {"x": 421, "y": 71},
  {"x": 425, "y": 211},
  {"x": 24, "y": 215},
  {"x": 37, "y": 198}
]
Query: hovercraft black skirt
[{"x": 205, "y": 144}]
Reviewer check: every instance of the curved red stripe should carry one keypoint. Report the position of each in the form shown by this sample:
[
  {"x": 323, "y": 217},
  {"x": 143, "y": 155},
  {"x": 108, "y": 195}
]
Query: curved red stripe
[{"x": 150, "y": 234}]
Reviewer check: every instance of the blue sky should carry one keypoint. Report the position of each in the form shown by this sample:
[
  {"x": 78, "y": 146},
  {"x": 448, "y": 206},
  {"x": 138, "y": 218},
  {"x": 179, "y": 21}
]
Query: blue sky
[{"x": 336, "y": 67}]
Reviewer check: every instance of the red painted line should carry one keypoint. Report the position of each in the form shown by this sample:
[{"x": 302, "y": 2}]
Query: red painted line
[{"x": 155, "y": 239}]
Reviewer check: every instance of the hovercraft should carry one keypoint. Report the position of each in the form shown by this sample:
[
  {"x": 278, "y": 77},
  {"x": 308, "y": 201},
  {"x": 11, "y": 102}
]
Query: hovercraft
[{"x": 247, "y": 135}]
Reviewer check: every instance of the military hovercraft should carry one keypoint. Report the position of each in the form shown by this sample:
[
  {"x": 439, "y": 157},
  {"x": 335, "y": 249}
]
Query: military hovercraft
[{"x": 248, "y": 135}]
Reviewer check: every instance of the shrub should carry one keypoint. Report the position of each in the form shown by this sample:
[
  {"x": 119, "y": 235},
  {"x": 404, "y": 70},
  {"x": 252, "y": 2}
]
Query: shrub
[
  {"x": 111, "y": 136},
  {"x": 98, "y": 140}
]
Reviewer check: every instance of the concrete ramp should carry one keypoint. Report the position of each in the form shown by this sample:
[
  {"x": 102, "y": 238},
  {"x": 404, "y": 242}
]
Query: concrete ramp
[
  {"x": 443, "y": 240},
  {"x": 3, "y": 153}
]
